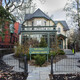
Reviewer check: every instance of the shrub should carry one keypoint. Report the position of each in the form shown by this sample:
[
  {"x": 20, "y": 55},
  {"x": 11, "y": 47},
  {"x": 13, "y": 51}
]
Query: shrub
[
  {"x": 21, "y": 50},
  {"x": 43, "y": 43},
  {"x": 18, "y": 51},
  {"x": 51, "y": 53},
  {"x": 39, "y": 60},
  {"x": 60, "y": 52}
]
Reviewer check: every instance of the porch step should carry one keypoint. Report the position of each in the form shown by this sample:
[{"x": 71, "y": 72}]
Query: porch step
[{"x": 68, "y": 52}]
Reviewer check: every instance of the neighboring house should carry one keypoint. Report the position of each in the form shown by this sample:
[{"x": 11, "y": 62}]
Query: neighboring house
[
  {"x": 10, "y": 36},
  {"x": 39, "y": 25},
  {"x": 15, "y": 34}
]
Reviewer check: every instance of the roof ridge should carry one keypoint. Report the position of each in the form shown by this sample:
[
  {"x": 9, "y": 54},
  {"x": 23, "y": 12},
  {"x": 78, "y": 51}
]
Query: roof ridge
[{"x": 42, "y": 13}]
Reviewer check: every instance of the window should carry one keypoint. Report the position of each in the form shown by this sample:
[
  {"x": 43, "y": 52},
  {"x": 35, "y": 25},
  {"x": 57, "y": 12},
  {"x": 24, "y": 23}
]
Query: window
[
  {"x": 32, "y": 23},
  {"x": 11, "y": 28},
  {"x": 59, "y": 30},
  {"x": 45, "y": 23},
  {"x": 38, "y": 23}
]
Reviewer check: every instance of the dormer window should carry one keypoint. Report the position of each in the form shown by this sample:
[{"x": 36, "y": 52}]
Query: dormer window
[
  {"x": 39, "y": 23},
  {"x": 59, "y": 30}
]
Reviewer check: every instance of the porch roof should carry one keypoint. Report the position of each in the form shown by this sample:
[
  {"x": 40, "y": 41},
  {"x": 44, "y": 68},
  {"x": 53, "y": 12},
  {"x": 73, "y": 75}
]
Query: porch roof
[{"x": 61, "y": 35}]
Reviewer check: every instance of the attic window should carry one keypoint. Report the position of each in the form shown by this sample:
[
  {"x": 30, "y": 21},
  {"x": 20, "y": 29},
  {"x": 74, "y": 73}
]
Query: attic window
[{"x": 39, "y": 23}]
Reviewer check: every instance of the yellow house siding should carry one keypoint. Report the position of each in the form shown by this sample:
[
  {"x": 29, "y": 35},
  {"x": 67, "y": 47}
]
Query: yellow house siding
[
  {"x": 43, "y": 20},
  {"x": 66, "y": 43},
  {"x": 59, "y": 25},
  {"x": 28, "y": 23},
  {"x": 39, "y": 19},
  {"x": 62, "y": 29}
]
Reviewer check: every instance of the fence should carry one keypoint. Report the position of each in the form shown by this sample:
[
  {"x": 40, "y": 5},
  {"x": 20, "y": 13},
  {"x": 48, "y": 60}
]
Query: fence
[
  {"x": 17, "y": 65},
  {"x": 65, "y": 67},
  {"x": 23, "y": 63},
  {"x": 5, "y": 51}
]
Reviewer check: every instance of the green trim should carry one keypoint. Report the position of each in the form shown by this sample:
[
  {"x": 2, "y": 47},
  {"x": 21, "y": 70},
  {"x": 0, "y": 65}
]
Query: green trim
[
  {"x": 61, "y": 35},
  {"x": 65, "y": 43},
  {"x": 61, "y": 44},
  {"x": 36, "y": 26},
  {"x": 39, "y": 31}
]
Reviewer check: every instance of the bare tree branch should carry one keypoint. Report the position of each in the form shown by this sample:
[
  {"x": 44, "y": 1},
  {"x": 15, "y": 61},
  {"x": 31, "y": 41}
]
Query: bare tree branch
[
  {"x": 8, "y": 3},
  {"x": 11, "y": 5},
  {"x": 5, "y": 2},
  {"x": 17, "y": 6}
]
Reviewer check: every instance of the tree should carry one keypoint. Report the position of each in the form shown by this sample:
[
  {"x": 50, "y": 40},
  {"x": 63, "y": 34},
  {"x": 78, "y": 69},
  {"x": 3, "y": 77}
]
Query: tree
[
  {"x": 19, "y": 7},
  {"x": 72, "y": 9},
  {"x": 74, "y": 38},
  {"x": 27, "y": 8},
  {"x": 5, "y": 17},
  {"x": 71, "y": 12},
  {"x": 42, "y": 43},
  {"x": 11, "y": 5}
]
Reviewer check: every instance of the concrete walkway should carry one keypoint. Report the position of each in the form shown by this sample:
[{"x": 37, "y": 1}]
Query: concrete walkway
[
  {"x": 11, "y": 61},
  {"x": 38, "y": 73},
  {"x": 42, "y": 73},
  {"x": 68, "y": 52}
]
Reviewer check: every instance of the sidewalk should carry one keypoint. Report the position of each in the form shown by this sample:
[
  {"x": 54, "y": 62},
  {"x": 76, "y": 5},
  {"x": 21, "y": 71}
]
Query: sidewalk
[{"x": 39, "y": 73}]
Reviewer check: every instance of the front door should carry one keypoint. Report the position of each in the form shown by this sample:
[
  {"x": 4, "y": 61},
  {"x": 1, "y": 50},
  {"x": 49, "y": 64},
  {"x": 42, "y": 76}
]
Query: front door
[{"x": 61, "y": 44}]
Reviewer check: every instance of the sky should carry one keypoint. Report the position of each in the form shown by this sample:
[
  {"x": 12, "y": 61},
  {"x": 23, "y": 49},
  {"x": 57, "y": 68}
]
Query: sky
[{"x": 52, "y": 7}]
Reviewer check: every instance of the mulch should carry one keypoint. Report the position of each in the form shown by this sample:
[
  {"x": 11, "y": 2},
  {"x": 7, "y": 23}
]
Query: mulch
[
  {"x": 65, "y": 76},
  {"x": 6, "y": 72}
]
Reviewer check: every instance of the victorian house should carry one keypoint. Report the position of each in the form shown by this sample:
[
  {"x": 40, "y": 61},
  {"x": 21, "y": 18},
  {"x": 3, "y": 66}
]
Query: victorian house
[{"x": 38, "y": 24}]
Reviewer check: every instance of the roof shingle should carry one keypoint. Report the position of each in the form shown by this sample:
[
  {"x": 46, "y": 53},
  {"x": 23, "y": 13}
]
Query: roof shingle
[
  {"x": 64, "y": 24},
  {"x": 38, "y": 13}
]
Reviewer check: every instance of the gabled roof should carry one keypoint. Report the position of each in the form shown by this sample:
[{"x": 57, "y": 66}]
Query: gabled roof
[
  {"x": 64, "y": 24},
  {"x": 37, "y": 14}
]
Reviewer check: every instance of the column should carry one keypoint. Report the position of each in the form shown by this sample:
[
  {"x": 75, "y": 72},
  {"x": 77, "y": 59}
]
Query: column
[
  {"x": 65, "y": 44},
  {"x": 56, "y": 39},
  {"x": 48, "y": 40},
  {"x": 21, "y": 37}
]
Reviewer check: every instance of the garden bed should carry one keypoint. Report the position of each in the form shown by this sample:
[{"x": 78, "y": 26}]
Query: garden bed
[
  {"x": 56, "y": 59},
  {"x": 65, "y": 76},
  {"x": 6, "y": 73}
]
